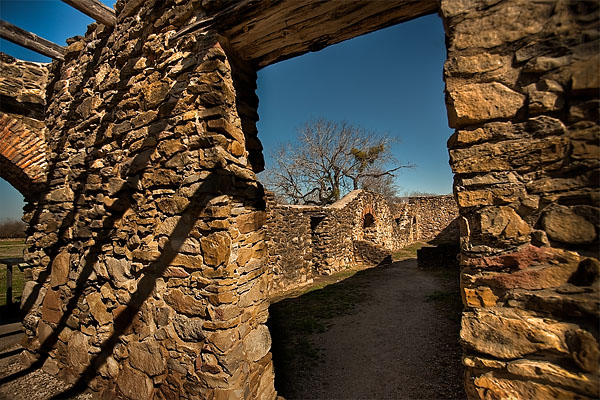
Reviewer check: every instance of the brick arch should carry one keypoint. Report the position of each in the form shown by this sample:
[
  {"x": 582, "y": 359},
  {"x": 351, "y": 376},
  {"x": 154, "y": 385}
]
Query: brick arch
[
  {"x": 368, "y": 219},
  {"x": 22, "y": 154}
]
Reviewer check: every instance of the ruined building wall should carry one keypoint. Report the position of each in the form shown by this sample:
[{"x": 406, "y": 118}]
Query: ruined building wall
[
  {"x": 146, "y": 245},
  {"x": 289, "y": 241},
  {"x": 434, "y": 217},
  {"x": 305, "y": 241},
  {"x": 522, "y": 87}
]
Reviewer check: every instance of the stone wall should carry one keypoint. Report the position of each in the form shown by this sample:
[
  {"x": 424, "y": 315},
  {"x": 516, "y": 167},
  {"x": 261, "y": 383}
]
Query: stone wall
[
  {"x": 22, "y": 129},
  {"x": 435, "y": 216},
  {"x": 522, "y": 87},
  {"x": 361, "y": 228},
  {"x": 146, "y": 244},
  {"x": 305, "y": 241}
]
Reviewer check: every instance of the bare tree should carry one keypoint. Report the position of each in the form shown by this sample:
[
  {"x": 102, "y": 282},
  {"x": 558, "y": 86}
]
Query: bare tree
[
  {"x": 328, "y": 160},
  {"x": 12, "y": 228}
]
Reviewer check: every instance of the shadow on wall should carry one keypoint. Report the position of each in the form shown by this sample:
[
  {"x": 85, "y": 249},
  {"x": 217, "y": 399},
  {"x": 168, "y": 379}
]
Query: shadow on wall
[{"x": 220, "y": 181}]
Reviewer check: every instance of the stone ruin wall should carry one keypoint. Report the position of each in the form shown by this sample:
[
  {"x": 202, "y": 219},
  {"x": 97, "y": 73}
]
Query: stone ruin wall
[
  {"x": 522, "y": 88},
  {"x": 289, "y": 244},
  {"x": 147, "y": 242},
  {"x": 428, "y": 218},
  {"x": 147, "y": 237},
  {"x": 307, "y": 241}
]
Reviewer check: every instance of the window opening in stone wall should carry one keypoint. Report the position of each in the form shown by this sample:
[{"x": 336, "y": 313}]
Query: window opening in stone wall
[
  {"x": 368, "y": 221},
  {"x": 315, "y": 221}
]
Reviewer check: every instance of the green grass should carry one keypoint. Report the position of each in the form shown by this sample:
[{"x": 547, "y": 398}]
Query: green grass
[
  {"x": 409, "y": 251},
  {"x": 11, "y": 248}
]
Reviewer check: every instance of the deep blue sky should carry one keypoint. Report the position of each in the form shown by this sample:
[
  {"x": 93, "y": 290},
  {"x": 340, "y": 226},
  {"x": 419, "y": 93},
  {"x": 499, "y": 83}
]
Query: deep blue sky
[{"x": 389, "y": 81}]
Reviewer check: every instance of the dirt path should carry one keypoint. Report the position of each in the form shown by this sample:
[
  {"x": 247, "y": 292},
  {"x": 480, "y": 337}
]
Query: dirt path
[{"x": 395, "y": 338}]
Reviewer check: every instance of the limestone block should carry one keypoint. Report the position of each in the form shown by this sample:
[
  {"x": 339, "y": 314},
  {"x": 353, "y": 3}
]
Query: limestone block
[
  {"x": 52, "y": 306},
  {"x": 475, "y": 103},
  {"x": 522, "y": 155},
  {"x": 60, "y": 269},
  {"x": 119, "y": 269},
  {"x": 51, "y": 366},
  {"x": 155, "y": 93},
  {"x": 478, "y": 63},
  {"x": 172, "y": 205},
  {"x": 30, "y": 289},
  {"x": 479, "y": 297},
  {"x": 98, "y": 308},
  {"x": 134, "y": 385},
  {"x": 250, "y": 222},
  {"x": 257, "y": 343},
  {"x": 110, "y": 369},
  {"x": 507, "y": 333},
  {"x": 78, "y": 352},
  {"x": 148, "y": 356},
  {"x": 502, "y": 223},
  {"x": 540, "y": 102},
  {"x": 59, "y": 195},
  {"x": 43, "y": 331},
  {"x": 554, "y": 374},
  {"x": 584, "y": 350},
  {"x": 487, "y": 197},
  {"x": 534, "y": 278},
  {"x": 489, "y": 386},
  {"x": 188, "y": 329},
  {"x": 185, "y": 304},
  {"x": 544, "y": 63},
  {"x": 585, "y": 77},
  {"x": 564, "y": 225},
  {"x": 216, "y": 248},
  {"x": 502, "y": 25}
]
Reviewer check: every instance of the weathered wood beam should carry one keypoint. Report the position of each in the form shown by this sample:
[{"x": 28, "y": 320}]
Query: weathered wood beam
[
  {"x": 31, "y": 41},
  {"x": 267, "y": 31},
  {"x": 94, "y": 9}
]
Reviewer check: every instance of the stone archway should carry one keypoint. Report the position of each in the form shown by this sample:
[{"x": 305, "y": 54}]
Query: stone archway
[{"x": 166, "y": 261}]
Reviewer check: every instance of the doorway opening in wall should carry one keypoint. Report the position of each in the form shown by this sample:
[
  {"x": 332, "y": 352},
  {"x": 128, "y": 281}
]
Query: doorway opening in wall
[
  {"x": 368, "y": 221},
  {"x": 351, "y": 338},
  {"x": 12, "y": 244}
]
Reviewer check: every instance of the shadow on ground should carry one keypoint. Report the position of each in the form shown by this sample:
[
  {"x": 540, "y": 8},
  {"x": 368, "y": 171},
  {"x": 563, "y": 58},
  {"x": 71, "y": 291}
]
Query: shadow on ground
[{"x": 385, "y": 332}]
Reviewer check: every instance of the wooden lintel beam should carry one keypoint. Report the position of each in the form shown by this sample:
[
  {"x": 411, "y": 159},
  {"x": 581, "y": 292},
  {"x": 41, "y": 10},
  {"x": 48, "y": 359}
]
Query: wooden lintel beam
[
  {"x": 94, "y": 9},
  {"x": 31, "y": 41}
]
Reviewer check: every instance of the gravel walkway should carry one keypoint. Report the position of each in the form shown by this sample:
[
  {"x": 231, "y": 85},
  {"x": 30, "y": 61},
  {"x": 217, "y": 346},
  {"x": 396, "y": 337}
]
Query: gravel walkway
[{"x": 400, "y": 342}]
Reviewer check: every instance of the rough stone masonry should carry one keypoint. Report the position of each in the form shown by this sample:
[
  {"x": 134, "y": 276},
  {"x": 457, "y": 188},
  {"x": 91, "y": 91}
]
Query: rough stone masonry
[{"x": 150, "y": 276}]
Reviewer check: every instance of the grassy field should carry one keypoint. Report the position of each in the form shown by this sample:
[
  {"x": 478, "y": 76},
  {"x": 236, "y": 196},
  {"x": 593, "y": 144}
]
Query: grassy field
[
  {"x": 11, "y": 248},
  {"x": 409, "y": 251}
]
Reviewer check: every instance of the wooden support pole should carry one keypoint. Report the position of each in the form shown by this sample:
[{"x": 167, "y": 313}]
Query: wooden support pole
[
  {"x": 9, "y": 284},
  {"x": 31, "y": 41},
  {"x": 94, "y": 9}
]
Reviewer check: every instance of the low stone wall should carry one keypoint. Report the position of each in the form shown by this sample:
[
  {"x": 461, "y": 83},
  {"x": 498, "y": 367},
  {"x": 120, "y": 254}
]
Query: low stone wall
[
  {"x": 435, "y": 216},
  {"x": 361, "y": 228},
  {"x": 426, "y": 218}
]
